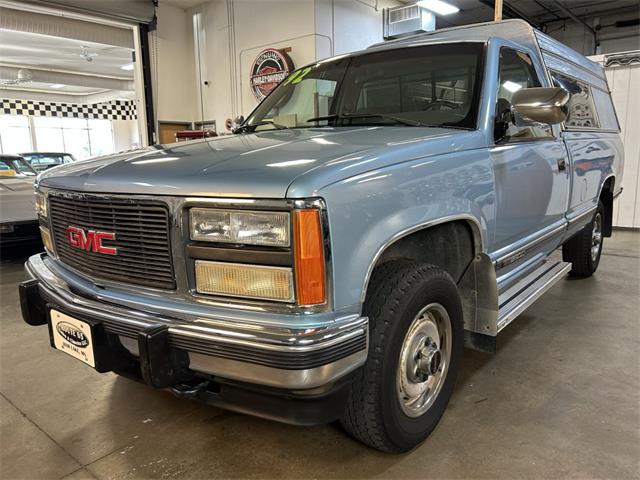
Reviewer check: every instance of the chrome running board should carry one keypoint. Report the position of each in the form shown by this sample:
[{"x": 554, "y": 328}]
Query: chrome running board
[{"x": 523, "y": 293}]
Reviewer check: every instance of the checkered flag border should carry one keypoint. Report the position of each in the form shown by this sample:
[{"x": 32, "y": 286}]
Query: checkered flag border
[{"x": 114, "y": 110}]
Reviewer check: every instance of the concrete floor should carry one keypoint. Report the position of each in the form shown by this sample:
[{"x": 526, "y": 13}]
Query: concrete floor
[{"x": 561, "y": 398}]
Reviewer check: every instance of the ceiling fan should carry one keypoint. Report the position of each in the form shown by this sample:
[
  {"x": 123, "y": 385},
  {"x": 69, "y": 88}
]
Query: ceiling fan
[{"x": 87, "y": 54}]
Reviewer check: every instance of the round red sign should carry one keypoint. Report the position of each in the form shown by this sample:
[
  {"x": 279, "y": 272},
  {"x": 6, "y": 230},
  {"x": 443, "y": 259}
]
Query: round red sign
[{"x": 270, "y": 67}]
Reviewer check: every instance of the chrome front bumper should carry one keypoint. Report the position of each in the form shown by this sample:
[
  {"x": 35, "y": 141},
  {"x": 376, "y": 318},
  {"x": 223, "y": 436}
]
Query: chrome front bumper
[{"x": 282, "y": 356}]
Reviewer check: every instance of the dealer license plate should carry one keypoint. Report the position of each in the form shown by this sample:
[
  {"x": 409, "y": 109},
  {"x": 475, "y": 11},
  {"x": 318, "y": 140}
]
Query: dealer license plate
[{"x": 72, "y": 336}]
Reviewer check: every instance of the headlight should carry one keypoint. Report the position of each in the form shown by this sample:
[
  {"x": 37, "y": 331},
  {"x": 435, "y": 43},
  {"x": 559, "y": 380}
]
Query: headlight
[
  {"x": 41, "y": 204},
  {"x": 244, "y": 227}
]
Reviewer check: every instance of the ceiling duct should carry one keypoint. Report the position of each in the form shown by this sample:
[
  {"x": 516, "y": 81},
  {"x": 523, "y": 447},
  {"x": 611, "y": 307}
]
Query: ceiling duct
[
  {"x": 53, "y": 26},
  {"x": 403, "y": 21}
]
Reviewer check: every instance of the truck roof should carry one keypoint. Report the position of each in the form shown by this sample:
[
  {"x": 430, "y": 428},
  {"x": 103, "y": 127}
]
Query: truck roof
[
  {"x": 515, "y": 30},
  {"x": 512, "y": 29}
]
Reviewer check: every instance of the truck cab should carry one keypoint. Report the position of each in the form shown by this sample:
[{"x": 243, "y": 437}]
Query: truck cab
[{"x": 377, "y": 212}]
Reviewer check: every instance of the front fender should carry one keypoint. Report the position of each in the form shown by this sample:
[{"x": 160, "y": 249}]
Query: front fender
[{"x": 370, "y": 211}]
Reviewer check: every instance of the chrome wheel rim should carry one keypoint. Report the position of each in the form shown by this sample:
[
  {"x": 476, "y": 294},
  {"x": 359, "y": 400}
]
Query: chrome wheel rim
[
  {"x": 596, "y": 237},
  {"x": 424, "y": 360}
]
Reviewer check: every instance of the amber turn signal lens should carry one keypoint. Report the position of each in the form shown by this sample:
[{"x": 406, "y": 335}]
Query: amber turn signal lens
[
  {"x": 46, "y": 238},
  {"x": 309, "y": 256}
]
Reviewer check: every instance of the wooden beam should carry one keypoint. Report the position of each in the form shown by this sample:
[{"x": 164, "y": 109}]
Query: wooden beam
[{"x": 497, "y": 14}]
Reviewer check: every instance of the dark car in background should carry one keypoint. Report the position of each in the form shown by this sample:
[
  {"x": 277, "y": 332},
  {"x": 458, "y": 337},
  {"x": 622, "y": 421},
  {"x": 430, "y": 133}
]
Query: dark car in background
[{"x": 41, "y": 161}]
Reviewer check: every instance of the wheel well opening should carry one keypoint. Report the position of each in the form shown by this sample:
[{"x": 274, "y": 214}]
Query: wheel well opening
[
  {"x": 606, "y": 197},
  {"x": 450, "y": 246}
]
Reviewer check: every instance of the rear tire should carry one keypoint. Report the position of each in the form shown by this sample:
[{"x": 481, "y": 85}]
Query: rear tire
[
  {"x": 584, "y": 249},
  {"x": 416, "y": 342}
]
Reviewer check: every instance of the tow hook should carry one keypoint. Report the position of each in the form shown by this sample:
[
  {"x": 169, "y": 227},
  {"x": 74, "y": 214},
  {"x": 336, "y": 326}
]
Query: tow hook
[{"x": 190, "y": 391}]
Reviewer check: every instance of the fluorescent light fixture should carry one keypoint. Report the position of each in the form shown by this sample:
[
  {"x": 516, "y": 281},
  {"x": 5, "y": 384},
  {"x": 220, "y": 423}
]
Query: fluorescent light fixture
[
  {"x": 128, "y": 67},
  {"x": 57, "y": 85},
  {"x": 438, "y": 6},
  {"x": 511, "y": 86}
]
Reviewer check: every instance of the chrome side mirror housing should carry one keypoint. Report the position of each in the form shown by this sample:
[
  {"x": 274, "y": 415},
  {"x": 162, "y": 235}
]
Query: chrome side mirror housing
[
  {"x": 236, "y": 123},
  {"x": 548, "y": 105}
]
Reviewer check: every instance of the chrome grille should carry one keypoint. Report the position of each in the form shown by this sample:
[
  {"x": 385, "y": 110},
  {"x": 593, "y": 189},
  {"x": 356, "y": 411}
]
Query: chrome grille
[{"x": 142, "y": 238}]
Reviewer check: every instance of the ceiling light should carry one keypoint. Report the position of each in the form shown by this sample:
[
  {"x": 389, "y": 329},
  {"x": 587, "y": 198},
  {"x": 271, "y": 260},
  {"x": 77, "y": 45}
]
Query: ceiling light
[
  {"x": 57, "y": 85},
  {"x": 511, "y": 86},
  {"x": 438, "y": 6},
  {"x": 128, "y": 66}
]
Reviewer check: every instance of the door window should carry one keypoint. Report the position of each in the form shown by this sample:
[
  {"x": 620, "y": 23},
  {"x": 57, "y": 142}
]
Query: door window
[{"x": 517, "y": 72}]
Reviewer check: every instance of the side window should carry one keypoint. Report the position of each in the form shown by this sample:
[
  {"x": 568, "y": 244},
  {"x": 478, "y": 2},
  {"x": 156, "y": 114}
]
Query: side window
[
  {"x": 582, "y": 111},
  {"x": 517, "y": 72}
]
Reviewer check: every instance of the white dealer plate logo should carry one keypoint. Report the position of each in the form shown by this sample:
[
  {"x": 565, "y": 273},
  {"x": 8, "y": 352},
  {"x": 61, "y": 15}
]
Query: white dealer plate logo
[{"x": 72, "y": 336}]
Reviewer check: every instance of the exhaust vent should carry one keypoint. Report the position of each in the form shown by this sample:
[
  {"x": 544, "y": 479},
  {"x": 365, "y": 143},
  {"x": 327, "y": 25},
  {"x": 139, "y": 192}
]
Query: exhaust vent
[
  {"x": 403, "y": 14},
  {"x": 403, "y": 21}
]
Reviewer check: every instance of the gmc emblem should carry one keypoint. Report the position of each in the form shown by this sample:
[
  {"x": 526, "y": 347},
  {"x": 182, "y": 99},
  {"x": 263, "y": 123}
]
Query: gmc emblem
[{"x": 91, "y": 240}]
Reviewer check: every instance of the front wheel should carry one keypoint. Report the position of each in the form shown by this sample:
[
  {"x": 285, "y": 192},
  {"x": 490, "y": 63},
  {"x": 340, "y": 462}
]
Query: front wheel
[{"x": 416, "y": 341}]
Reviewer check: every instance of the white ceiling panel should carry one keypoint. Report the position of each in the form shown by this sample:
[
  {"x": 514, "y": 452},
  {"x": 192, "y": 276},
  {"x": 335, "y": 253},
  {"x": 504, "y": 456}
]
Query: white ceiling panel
[{"x": 56, "y": 53}]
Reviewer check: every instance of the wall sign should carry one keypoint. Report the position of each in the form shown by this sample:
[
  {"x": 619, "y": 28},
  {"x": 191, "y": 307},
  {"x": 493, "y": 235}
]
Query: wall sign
[{"x": 270, "y": 67}]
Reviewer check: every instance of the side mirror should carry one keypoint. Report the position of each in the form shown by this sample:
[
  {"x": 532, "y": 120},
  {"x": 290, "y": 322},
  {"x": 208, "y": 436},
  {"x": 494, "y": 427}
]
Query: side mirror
[
  {"x": 548, "y": 105},
  {"x": 236, "y": 123},
  {"x": 504, "y": 116}
]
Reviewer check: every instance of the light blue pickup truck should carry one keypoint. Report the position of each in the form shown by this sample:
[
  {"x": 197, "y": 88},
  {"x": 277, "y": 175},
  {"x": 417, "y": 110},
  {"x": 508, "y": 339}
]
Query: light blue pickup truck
[{"x": 377, "y": 212}]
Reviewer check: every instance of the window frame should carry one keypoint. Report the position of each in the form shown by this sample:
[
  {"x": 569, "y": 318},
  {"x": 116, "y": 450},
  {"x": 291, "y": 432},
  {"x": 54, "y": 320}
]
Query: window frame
[
  {"x": 61, "y": 128},
  {"x": 571, "y": 128},
  {"x": 540, "y": 76},
  {"x": 479, "y": 79}
]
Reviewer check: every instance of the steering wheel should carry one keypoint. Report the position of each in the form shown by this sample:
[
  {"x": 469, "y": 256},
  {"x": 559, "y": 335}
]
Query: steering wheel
[{"x": 439, "y": 104}]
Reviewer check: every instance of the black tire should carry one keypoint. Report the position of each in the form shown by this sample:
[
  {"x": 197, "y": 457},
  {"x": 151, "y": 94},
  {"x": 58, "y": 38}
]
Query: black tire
[
  {"x": 398, "y": 291},
  {"x": 578, "y": 249}
]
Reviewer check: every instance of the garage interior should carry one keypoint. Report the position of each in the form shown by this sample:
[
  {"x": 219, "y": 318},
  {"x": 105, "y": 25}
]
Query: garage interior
[{"x": 559, "y": 399}]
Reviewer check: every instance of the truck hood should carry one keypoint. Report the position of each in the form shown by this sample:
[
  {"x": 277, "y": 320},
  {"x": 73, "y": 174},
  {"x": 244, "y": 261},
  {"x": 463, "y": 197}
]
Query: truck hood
[
  {"x": 259, "y": 165},
  {"x": 17, "y": 184}
]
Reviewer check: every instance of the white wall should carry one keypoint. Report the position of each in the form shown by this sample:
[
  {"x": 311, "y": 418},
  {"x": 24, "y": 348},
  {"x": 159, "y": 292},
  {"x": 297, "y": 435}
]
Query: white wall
[
  {"x": 125, "y": 135},
  {"x": 348, "y": 25},
  {"x": 228, "y": 48},
  {"x": 173, "y": 85},
  {"x": 233, "y": 32},
  {"x": 623, "y": 82}
]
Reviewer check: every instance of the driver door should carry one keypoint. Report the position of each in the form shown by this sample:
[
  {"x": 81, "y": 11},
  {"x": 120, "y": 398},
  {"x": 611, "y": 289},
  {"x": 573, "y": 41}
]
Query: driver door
[{"x": 531, "y": 176}]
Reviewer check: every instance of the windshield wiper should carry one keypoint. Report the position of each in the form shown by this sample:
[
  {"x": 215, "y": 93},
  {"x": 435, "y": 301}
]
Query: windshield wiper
[
  {"x": 323, "y": 117},
  {"x": 276, "y": 126},
  {"x": 338, "y": 116}
]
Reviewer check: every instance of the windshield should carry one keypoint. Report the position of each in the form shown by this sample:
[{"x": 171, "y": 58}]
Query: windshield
[
  {"x": 436, "y": 85},
  {"x": 47, "y": 159},
  {"x": 10, "y": 167}
]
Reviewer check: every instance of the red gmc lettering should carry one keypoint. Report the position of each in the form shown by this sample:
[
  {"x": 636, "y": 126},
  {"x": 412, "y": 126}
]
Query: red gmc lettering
[{"x": 91, "y": 240}]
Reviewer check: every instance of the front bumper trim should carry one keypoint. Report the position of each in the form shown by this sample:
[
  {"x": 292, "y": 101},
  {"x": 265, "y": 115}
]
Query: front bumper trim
[{"x": 283, "y": 357}]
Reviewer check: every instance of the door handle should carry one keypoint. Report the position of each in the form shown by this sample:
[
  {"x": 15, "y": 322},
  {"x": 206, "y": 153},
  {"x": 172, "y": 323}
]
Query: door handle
[{"x": 562, "y": 164}]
